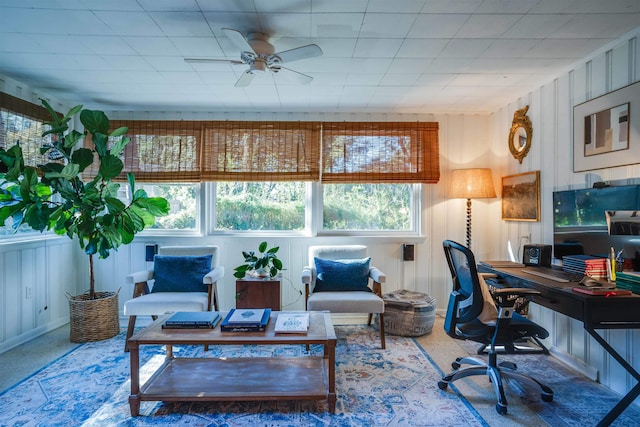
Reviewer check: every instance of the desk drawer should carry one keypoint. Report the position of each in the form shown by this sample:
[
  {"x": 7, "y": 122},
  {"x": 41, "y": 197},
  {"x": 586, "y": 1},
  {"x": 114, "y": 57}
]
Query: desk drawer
[{"x": 612, "y": 313}]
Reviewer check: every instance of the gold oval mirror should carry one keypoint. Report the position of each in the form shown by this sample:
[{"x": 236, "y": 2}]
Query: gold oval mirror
[{"x": 520, "y": 134}]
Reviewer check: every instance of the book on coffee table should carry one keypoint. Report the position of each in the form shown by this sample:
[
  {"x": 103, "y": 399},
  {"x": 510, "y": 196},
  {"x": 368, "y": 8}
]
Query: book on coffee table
[
  {"x": 192, "y": 320},
  {"x": 246, "y": 320},
  {"x": 292, "y": 323}
]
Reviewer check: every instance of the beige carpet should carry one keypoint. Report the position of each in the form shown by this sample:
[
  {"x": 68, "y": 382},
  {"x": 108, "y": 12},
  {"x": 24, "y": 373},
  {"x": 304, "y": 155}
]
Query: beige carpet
[{"x": 477, "y": 390}]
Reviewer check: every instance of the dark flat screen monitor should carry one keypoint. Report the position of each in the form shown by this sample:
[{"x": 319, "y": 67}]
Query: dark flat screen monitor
[{"x": 580, "y": 218}]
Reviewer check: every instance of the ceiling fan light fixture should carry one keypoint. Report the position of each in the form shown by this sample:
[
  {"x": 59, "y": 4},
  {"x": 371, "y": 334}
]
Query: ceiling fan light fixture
[{"x": 259, "y": 55}]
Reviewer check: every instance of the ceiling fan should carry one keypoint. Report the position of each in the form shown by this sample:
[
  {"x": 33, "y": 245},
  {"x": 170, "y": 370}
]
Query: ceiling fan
[{"x": 260, "y": 55}]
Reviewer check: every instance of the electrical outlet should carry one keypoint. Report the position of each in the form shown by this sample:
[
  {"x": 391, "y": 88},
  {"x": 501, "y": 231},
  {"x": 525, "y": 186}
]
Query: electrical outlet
[{"x": 28, "y": 292}]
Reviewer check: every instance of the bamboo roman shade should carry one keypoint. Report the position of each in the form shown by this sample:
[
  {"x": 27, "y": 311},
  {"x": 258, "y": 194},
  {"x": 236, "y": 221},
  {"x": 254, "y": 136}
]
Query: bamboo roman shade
[
  {"x": 162, "y": 151},
  {"x": 193, "y": 151},
  {"x": 261, "y": 151},
  {"x": 380, "y": 152}
]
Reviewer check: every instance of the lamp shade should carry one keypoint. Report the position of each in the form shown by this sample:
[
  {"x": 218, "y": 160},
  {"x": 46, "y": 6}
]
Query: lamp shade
[{"x": 472, "y": 184}]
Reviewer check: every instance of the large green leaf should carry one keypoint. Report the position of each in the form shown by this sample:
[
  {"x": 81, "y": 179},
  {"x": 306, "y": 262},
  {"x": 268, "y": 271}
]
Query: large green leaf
[
  {"x": 156, "y": 206},
  {"x": 147, "y": 218},
  {"x": 120, "y": 145},
  {"x": 69, "y": 172},
  {"x": 51, "y": 167},
  {"x": 72, "y": 139},
  {"x": 83, "y": 157},
  {"x": 29, "y": 181},
  {"x": 114, "y": 205},
  {"x": 37, "y": 216},
  {"x": 100, "y": 141},
  {"x": 110, "y": 167},
  {"x": 95, "y": 121},
  {"x": 136, "y": 220},
  {"x": 43, "y": 191}
]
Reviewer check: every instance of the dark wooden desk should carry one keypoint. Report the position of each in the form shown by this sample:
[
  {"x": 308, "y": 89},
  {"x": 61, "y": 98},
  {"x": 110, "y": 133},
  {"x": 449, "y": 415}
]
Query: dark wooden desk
[{"x": 595, "y": 312}]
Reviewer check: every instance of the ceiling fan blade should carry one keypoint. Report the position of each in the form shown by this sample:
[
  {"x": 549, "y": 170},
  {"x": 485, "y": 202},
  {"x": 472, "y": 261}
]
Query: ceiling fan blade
[
  {"x": 295, "y": 76},
  {"x": 238, "y": 39},
  {"x": 245, "y": 79},
  {"x": 302, "y": 52},
  {"x": 210, "y": 60}
]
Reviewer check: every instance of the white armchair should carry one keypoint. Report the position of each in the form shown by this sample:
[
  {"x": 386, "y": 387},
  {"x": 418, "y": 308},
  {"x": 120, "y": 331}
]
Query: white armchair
[
  {"x": 166, "y": 299},
  {"x": 344, "y": 298}
]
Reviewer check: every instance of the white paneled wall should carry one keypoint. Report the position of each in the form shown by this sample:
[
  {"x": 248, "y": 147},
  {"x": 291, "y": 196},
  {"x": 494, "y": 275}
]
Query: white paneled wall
[{"x": 34, "y": 281}]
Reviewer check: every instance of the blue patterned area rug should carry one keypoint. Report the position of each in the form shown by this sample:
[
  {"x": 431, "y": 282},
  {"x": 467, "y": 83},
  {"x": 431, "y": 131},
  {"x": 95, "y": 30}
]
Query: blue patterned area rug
[{"x": 89, "y": 386}]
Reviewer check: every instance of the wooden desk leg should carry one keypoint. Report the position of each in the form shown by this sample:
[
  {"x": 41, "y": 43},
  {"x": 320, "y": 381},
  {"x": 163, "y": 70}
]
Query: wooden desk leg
[
  {"x": 134, "y": 362},
  {"x": 631, "y": 395},
  {"x": 331, "y": 397}
]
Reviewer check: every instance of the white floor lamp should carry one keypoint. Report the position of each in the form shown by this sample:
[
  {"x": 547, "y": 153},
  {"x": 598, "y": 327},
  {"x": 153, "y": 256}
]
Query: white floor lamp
[{"x": 471, "y": 184}]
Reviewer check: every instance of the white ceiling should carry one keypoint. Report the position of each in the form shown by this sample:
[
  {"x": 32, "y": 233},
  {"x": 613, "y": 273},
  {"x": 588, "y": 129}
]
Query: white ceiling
[{"x": 379, "y": 55}]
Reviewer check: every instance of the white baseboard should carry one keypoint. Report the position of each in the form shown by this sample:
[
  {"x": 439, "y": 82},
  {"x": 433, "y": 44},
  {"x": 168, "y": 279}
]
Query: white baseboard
[
  {"x": 575, "y": 364},
  {"x": 31, "y": 334}
]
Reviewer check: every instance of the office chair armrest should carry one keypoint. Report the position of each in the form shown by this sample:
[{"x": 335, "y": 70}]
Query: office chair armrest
[
  {"x": 377, "y": 275},
  {"x": 139, "y": 276},
  {"x": 213, "y": 276},
  {"x": 521, "y": 292},
  {"x": 506, "y": 297}
]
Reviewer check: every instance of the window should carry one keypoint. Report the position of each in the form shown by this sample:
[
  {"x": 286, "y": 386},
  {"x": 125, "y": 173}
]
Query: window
[
  {"x": 294, "y": 176},
  {"x": 367, "y": 207},
  {"x": 252, "y": 206}
]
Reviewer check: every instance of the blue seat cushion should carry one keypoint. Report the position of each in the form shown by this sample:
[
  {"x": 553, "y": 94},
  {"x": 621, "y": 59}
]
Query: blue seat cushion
[
  {"x": 180, "y": 273},
  {"x": 342, "y": 275}
]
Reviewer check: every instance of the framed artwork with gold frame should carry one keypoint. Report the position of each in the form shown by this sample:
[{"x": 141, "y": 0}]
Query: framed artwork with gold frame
[{"x": 521, "y": 197}]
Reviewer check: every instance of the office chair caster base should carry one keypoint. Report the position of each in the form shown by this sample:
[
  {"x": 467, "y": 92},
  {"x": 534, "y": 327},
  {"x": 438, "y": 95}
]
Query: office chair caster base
[
  {"x": 546, "y": 397},
  {"x": 455, "y": 365},
  {"x": 501, "y": 409},
  {"x": 442, "y": 385}
]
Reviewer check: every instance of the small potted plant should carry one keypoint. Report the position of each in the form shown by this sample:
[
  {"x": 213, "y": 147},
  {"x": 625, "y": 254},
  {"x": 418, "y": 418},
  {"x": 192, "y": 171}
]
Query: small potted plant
[{"x": 263, "y": 264}]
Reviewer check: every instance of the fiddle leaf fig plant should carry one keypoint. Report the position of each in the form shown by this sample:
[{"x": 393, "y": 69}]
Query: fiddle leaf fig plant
[
  {"x": 55, "y": 197},
  {"x": 264, "y": 264}
]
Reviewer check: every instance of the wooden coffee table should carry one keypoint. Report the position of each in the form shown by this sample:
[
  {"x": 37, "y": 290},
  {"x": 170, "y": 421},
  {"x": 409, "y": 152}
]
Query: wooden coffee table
[{"x": 236, "y": 379}]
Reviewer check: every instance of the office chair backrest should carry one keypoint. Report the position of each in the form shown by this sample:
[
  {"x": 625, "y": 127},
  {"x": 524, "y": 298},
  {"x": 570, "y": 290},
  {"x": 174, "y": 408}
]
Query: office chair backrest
[{"x": 466, "y": 301}]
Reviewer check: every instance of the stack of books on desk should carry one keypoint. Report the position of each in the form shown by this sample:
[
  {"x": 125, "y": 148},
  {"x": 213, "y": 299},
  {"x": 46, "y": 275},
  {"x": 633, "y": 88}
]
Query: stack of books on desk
[
  {"x": 246, "y": 320},
  {"x": 585, "y": 265},
  {"x": 628, "y": 280},
  {"x": 192, "y": 320}
]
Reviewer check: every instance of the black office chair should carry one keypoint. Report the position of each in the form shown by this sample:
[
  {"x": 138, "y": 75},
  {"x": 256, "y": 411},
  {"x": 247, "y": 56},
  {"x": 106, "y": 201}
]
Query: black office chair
[{"x": 465, "y": 305}]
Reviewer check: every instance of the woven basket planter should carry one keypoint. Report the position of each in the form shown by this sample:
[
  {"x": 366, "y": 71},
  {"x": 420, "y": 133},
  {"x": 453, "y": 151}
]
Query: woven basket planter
[{"x": 93, "y": 319}]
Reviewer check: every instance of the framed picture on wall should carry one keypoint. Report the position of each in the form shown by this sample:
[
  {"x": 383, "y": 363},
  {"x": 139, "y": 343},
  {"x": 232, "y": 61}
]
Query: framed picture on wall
[
  {"x": 521, "y": 197},
  {"x": 606, "y": 130}
]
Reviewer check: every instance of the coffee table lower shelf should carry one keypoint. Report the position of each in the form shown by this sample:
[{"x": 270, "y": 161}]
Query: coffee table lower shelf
[{"x": 247, "y": 379}]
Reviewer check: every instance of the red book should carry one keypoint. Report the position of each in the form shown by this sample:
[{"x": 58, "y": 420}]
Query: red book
[{"x": 601, "y": 290}]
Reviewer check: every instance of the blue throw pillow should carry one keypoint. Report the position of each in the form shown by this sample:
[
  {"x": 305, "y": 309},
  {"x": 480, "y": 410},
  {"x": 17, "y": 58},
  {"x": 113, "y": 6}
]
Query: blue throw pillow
[
  {"x": 180, "y": 273},
  {"x": 342, "y": 275}
]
